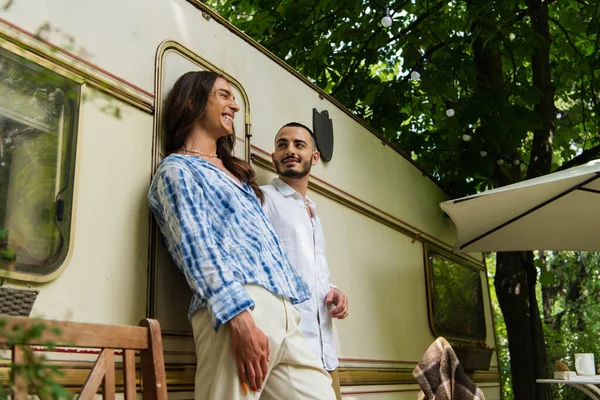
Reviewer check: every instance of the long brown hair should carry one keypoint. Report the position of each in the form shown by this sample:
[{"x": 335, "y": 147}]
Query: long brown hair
[{"x": 184, "y": 106}]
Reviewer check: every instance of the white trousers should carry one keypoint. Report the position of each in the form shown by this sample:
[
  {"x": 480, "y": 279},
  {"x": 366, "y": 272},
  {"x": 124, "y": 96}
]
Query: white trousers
[{"x": 294, "y": 372}]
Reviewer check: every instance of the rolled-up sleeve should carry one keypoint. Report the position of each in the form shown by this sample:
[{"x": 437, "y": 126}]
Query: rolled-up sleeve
[{"x": 179, "y": 205}]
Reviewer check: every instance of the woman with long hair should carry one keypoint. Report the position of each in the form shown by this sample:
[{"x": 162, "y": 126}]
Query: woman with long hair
[{"x": 207, "y": 205}]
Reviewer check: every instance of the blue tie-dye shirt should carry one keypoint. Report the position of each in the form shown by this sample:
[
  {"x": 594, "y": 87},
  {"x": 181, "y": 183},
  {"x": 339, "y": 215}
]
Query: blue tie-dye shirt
[{"x": 219, "y": 237}]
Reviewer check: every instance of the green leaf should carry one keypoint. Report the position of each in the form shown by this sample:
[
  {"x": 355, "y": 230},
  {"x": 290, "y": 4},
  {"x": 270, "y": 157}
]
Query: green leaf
[
  {"x": 547, "y": 278},
  {"x": 531, "y": 95}
]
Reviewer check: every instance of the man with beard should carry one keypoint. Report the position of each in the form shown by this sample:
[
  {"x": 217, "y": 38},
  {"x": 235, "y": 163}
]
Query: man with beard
[{"x": 296, "y": 223}]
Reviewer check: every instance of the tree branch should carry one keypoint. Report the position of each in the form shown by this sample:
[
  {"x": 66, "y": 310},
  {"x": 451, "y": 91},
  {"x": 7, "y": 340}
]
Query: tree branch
[
  {"x": 526, "y": 11},
  {"x": 586, "y": 156},
  {"x": 522, "y": 13},
  {"x": 416, "y": 22},
  {"x": 273, "y": 44},
  {"x": 353, "y": 66},
  {"x": 514, "y": 63},
  {"x": 593, "y": 72},
  {"x": 593, "y": 90},
  {"x": 460, "y": 82},
  {"x": 587, "y": 134},
  {"x": 425, "y": 56},
  {"x": 562, "y": 28},
  {"x": 316, "y": 21},
  {"x": 333, "y": 14}
]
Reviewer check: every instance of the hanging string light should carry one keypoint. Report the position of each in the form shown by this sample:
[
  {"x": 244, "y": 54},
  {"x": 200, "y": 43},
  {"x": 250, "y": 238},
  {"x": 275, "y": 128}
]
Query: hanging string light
[{"x": 386, "y": 21}]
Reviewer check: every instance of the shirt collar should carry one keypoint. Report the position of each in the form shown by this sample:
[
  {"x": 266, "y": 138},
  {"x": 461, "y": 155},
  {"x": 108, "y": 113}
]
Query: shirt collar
[{"x": 287, "y": 190}]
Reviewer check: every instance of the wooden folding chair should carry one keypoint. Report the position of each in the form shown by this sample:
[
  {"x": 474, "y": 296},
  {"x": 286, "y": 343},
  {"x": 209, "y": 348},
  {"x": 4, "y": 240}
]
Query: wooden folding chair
[{"x": 145, "y": 338}]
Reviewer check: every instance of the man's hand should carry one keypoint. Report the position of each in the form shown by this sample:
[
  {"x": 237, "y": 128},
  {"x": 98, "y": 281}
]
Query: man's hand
[
  {"x": 340, "y": 301},
  {"x": 250, "y": 349}
]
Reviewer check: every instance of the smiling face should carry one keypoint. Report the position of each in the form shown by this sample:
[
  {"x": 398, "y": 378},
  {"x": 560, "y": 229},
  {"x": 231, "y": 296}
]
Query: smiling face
[
  {"x": 220, "y": 110},
  {"x": 295, "y": 152}
]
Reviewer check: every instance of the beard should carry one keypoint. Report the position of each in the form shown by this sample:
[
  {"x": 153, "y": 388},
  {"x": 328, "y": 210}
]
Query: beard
[{"x": 292, "y": 173}]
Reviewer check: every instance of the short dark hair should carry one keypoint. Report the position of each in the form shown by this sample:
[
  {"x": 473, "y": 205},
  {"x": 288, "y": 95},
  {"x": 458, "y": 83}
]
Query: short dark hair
[{"x": 313, "y": 138}]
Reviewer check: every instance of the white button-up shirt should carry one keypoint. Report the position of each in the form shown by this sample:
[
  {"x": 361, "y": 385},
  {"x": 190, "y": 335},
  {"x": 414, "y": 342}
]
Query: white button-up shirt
[{"x": 302, "y": 237}]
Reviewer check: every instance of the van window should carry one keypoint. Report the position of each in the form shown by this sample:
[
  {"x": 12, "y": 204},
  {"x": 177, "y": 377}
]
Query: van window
[
  {"x": 38, "y": 120},
  {"x": 455, "y": 298}
]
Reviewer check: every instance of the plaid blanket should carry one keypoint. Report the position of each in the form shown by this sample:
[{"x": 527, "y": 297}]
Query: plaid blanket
[{"x": 441, "y": 376}]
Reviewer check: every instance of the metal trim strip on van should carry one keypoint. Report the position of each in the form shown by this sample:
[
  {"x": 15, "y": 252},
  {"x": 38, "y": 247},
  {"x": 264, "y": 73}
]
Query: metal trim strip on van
[
  {"x": 74, "y": 67},
  {"x": 180, "y": 377}
]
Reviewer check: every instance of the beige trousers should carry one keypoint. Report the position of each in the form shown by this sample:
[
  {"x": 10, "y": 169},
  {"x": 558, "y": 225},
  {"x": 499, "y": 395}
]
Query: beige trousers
[
  {"x": 294, "y": 372},
  {"x": 335, "y": 377}
]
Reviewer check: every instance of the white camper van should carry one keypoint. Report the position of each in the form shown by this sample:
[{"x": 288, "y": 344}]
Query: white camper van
[{"x": 82, "y": 85}]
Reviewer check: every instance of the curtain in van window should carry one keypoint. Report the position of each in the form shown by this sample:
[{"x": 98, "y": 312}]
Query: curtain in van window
[{"x": 35, "y": 138}]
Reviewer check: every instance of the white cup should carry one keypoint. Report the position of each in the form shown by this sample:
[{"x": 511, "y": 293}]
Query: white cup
[{"x": 584, "y": 364}]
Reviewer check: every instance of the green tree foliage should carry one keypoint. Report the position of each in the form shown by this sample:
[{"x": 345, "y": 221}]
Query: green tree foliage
[
  {"x": 342, "y": 47},
  {"x": 570, "y": 289},
  {"x": 501, "y": 334},
  {"x": 507, "y": 91},
  {"x": 40, "y": 377}
]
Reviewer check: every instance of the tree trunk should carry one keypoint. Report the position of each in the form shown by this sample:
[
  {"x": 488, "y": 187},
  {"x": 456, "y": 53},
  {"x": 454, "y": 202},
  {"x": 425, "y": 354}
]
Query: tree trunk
[
  {"x": 548, "y": 293},
  {"x": 515, "y": 282},
  {"x": 512, "y": 289},
  {"x": 541, "y": 154},
  {"x": 516, "y": 275},
  {"x": 574, "y": 291},
  {"x": 543, "y": 137}
]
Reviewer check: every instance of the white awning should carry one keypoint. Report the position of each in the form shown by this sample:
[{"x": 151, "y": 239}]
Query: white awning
[{"x": 559, "y": 211}]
